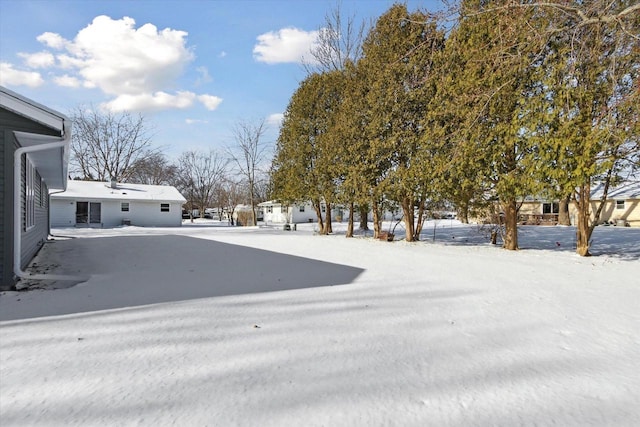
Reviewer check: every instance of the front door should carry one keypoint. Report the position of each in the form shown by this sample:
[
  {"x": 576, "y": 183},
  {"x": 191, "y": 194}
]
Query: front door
[{"x": 88, "y": 213}]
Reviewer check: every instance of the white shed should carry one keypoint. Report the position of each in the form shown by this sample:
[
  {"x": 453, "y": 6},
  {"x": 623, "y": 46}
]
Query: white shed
[{"x": 103, "y": 204}]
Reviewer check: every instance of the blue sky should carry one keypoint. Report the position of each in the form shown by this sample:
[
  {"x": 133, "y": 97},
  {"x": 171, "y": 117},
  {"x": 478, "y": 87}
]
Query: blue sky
[{"x": 194, "y": 68}]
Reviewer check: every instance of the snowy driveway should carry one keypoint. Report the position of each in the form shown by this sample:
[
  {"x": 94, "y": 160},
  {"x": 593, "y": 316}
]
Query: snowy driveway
[{"x": 129, "y": 271}]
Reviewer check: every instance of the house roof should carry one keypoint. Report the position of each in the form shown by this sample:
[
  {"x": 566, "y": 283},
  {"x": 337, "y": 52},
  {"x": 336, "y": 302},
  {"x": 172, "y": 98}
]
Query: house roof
[
  {"x": 625, "y": 190},
  {"x": 52, "y": 164},
  {"x": 92, "y": 190},
  {"x": 270, "y": 203}
]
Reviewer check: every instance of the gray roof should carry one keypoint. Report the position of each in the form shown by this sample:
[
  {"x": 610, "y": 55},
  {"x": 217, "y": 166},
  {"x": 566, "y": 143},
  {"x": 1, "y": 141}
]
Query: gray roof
[{"x": 52, "y": 164}]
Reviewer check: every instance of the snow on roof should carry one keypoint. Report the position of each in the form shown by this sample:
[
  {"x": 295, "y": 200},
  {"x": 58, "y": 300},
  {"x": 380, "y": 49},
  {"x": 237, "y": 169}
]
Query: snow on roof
[
  {"x": 123, "y": 191},
  {"x": 626, "y": 190}
]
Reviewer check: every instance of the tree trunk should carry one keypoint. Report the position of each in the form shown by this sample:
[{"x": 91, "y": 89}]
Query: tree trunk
[
  {"x": 350, "y": 222},
  {"x": 377, "y": 221},
  {"x": 583, "y": 230},
  {"x": 463, "y": 213},
  {"x": 407, "y": 210},
  {"x": 364, "y": 217},
  {"x": 510, "y": 225},
  {"x": 563, "y": 211},
  {"x": 318, "y": 209},
  {"x": 328, "y": 229},
  {"x": 419, "y": 222}
]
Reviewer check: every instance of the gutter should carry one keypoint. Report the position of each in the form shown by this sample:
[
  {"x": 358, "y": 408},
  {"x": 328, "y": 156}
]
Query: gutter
[{"x": 17, "y": 222}]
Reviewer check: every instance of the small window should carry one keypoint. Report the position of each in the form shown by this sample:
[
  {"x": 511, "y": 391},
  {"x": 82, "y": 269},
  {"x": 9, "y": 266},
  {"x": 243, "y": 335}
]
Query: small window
[
  {"x": 324, "y": 208},
  {"x": 302, "y": 208},
  {"x": 124, "y": 206},
  {"x": 550, "y": 208},
  {"x": 269, "y": 209},
  {"x": 164, "y": 207},
  {"x": 619, "y": 204}
]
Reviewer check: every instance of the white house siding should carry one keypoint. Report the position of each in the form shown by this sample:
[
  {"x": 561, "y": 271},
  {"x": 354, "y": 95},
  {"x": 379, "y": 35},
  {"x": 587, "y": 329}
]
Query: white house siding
[{"x": 144, "y": 214}]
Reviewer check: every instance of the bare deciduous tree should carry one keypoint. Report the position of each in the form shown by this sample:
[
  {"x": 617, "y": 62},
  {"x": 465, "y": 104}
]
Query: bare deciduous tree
[
  {"x": 249, "y": 154},
  {"x": 339, "y": 42},
  {"x": 105, "y": 145},
  {"x": 199, "y": 174},
  {"x": 153, "y": 169}
]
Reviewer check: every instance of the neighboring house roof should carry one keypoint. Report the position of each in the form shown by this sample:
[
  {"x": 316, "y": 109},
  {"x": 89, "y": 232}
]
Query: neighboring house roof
[
  {"x": 270, "y": 203},
  {"x": 122, "y": 191},
  {"x": 52, "y": 163},
  {"x": 625, "y": 190}
]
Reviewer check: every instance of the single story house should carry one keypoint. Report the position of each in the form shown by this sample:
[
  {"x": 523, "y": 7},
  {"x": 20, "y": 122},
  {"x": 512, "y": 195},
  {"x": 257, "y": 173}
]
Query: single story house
[
  {"x": 621, "y": 207},
  {"x": 274, "y": 212},
  {"x": 33, "y": 162},
  {"x": 112, "y": 204}
]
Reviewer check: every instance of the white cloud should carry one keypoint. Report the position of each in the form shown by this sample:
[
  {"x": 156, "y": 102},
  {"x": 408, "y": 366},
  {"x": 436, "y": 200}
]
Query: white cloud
[
  {"x": 120, "y": 59},
  {"x": 53, "y": 40},
  {"x": 195, "y": 121},
  {"x": 285, "y": 45},
  {"x": 222, "y": 54},
  {"x": 9, "y": 76},
  {"x": 151, "y": 102},
  {"x": 275, "y": 119},
  {"x": 209, "y": 101},
  {"x": 204, "y": 75},
  {"x": 67, "y": 81},
  {"x": 42, "y": 59},
  {"x": 135, "y": 66}
]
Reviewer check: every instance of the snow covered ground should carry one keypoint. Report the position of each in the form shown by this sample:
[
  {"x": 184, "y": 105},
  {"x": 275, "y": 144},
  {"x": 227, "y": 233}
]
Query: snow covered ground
[{"x": 219, "y": 326}]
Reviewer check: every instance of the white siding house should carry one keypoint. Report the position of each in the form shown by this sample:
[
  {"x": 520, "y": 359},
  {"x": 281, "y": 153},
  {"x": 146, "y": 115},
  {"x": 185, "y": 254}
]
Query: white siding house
[
  {"x": 103, "y": 204},
  {"x": 275, "y": 212}
]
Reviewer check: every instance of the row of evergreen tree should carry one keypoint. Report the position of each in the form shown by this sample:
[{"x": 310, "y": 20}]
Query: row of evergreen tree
[{"x": 512, "y": 99}]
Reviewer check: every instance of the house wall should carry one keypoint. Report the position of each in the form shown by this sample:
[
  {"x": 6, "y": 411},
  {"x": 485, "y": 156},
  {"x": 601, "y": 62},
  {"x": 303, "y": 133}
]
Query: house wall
[
  {"x": 34, "y": 237},
  {"x": 142, "y": 214},
  {"x": 610, "y": 213},
  {"x": 6, "y": 209},
  {"x": 276, "y": 216}
]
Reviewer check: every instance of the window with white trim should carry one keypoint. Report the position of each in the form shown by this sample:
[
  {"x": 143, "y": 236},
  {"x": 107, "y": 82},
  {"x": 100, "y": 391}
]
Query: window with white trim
[
  {"x": 124, "y": 207},
  {"x": 619, "y": 204},
  {"x": 164, "y": 207},
  {"x": 269, "y": 209},
  {"x": 302, "y": 208}
]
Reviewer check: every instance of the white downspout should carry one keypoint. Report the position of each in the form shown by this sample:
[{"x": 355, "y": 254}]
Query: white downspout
[{"x": 17, "y": 222}]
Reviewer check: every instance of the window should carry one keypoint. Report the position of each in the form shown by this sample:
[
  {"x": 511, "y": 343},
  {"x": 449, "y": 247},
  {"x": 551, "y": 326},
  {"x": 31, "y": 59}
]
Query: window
[
  {"x": 124, "y": 206},
  {"x": 302, "y": 208},
  {"x": 323, "y": 208},
  {"x": 164, "y": 207},
  {"x": 29, "y": 195},
  {"x": 619, "y": 204},
  {"x": 43, "y": 193},
  {"x": 550, "y": 208},
  {"x": 269, "y": 209}
]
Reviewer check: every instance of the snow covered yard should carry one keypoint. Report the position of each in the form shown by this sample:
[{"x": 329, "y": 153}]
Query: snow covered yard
[{"x": 219, "y": 326}]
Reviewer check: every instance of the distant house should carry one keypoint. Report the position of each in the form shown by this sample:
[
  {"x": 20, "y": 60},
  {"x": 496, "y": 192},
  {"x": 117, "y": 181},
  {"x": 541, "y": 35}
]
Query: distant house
[
  {"x": 33, "y": 161},
  {"x": 274, "y": 212},
  {"x": 622, "y": 207},
  {"x": 111, "y": 204}
]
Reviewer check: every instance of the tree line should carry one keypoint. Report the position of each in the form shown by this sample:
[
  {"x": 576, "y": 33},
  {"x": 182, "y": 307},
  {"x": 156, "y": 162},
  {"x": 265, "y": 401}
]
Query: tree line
[
  {"x": 512, "y": 99},
  {"x": 107, "y": 146}
]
